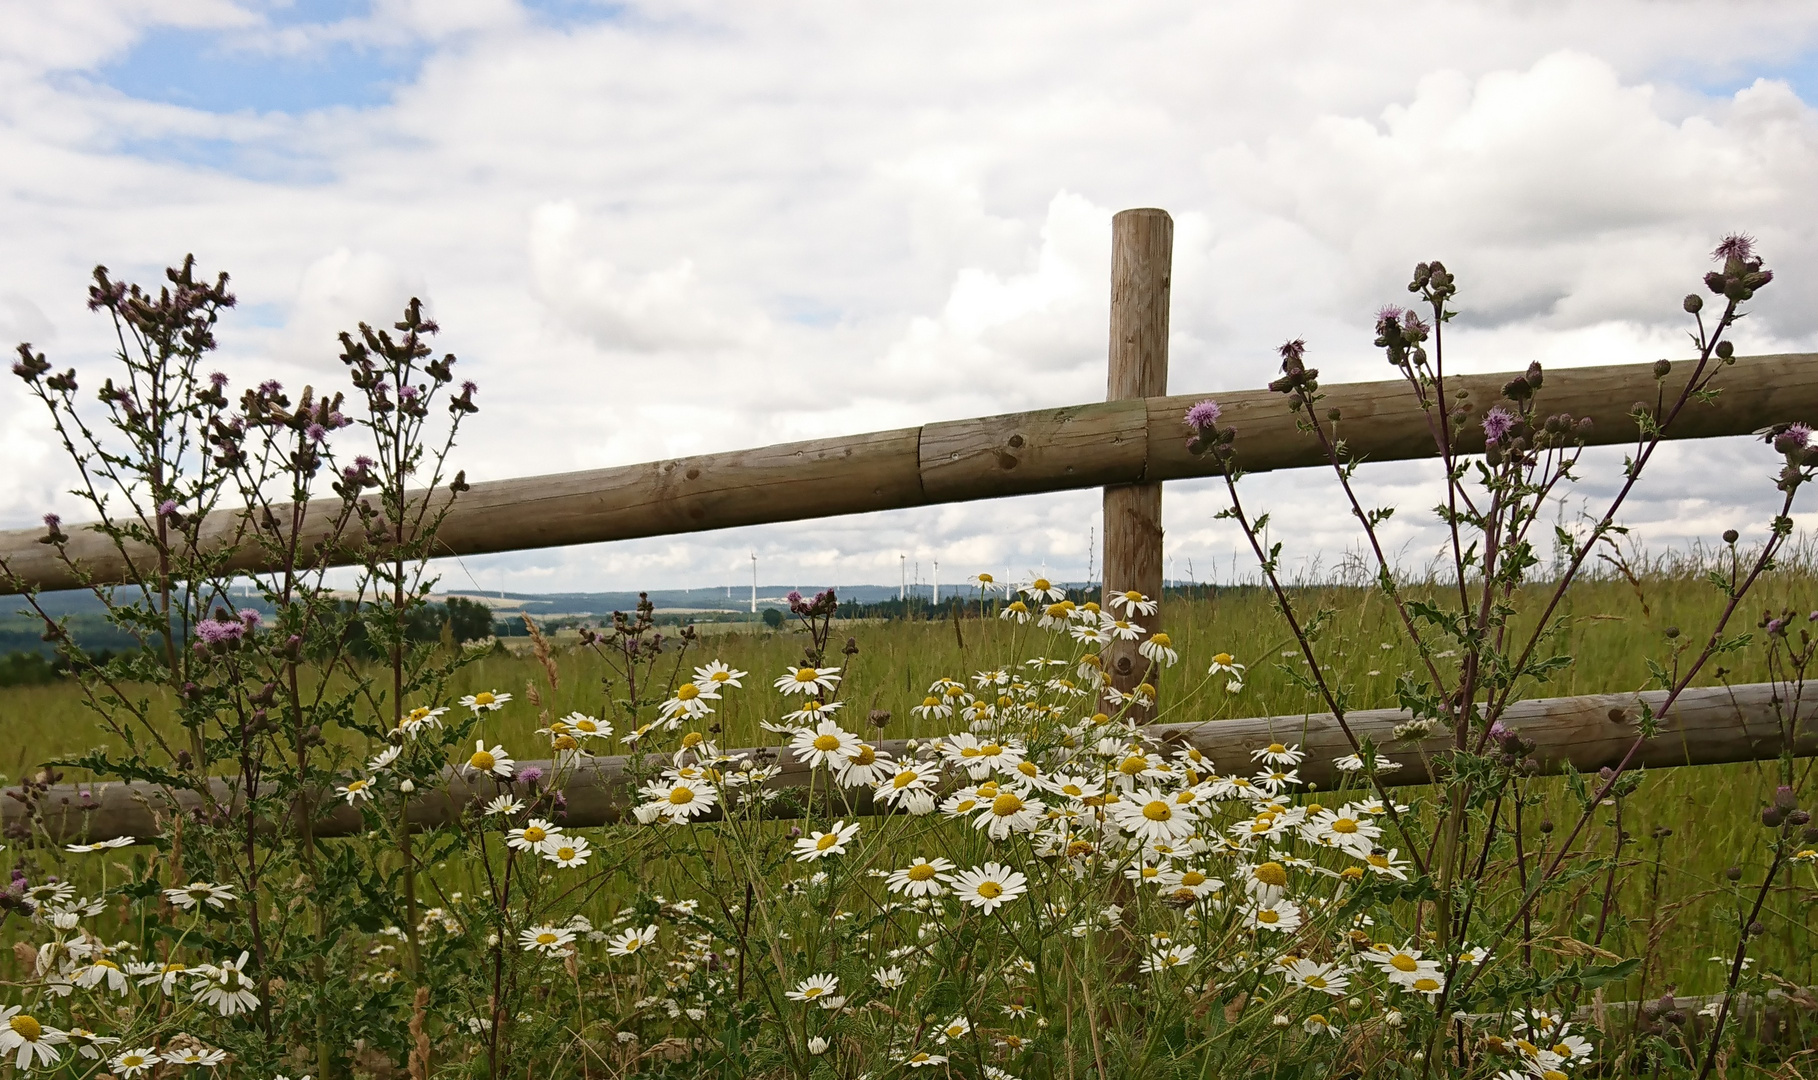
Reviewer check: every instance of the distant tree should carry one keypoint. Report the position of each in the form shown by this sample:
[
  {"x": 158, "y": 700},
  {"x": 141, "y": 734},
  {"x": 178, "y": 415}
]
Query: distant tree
[
  {"x": 469, "y": 620},
  {"x": 773, "y": 617}
]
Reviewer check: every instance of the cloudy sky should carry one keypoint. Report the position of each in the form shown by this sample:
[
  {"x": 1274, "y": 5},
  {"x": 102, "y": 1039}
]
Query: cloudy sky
[{"x": 656, "y": 229}]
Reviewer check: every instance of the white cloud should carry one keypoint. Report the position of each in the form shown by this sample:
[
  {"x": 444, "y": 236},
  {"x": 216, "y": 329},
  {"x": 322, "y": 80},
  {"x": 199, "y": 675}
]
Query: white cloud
[{"x": 701, "y": 227}]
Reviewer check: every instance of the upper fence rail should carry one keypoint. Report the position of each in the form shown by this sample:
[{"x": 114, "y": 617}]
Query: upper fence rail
[{"x": 1135, "y": 441}]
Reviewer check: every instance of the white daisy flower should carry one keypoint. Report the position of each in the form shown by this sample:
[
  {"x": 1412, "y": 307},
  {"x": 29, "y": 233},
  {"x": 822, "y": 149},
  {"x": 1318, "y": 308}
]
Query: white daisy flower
[
  {"x": 131, "y": 1063},
  {"x": 504, "y": 804},
  {"x": 419, "y": 718},
  {"x": 355, "y": 790},
  {"x": 485, "y": 701},
  {"x": 717, "y": 674},
  {"x": 631, "y": 941},
  {"x": 809, "y": 680},
  {"x": 1160, "y": 649},
  {"x": 824, "y": 746},
  {"x": 226, "y": 988},
  {"x": 1132, "y": 603},
  {"x": 200, "y": 892},
  {"x": 1278, "y": 754},
  {"x": 820, "y": 845},
  {"x": 534, "y": 832},
  {"x": 688, "y": 702},
  {"x": 495, "y": 761},
  {"x": 1043, "y": 591},
  {"x": 548, "y": 940},
  {"x": 565, "y": 851},
  {"x": 920, "y": 878},
  {"x": 988, "y": 887},
  {"x": 813, "y": 988}
]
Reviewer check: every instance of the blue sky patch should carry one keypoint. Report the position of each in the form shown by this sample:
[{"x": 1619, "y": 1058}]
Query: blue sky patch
[{"x": 215, "y": 72}]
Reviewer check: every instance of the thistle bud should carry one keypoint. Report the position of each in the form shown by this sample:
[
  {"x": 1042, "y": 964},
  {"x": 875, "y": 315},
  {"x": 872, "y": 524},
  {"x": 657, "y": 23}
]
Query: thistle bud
[
  {"x": 1662, "y": 368},
  {"x": 1693, "y": 303},
  {"x": 1734, "y": 873},
  {"x": 1730, "y": 536},
  {"x": 1726, "y": 349}
]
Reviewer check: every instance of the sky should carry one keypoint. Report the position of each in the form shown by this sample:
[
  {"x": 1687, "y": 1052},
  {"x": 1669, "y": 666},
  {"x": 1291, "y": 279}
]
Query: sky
[{"x": 659, "y": 229}]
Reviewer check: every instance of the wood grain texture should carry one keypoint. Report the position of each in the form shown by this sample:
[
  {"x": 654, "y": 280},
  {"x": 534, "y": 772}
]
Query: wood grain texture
[
  {"x": 1706, "y": 727},
  {"x": 1083, "y": 446},
  {"x": 1142, "y": 260}
]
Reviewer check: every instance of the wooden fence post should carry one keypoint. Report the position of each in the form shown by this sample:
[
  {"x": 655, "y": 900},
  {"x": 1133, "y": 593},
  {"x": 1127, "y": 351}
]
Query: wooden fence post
[{"x": 1142, "y": 254}]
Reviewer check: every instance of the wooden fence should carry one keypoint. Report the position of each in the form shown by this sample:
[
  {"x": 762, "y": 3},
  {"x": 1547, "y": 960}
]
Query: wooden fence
[
  {"x": 1705, "y": 726},
  {"x": 1129, "y": 445}
]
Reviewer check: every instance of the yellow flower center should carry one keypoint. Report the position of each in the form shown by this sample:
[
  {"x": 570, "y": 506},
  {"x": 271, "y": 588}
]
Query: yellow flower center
[
  {"x": 931, "y": 702},
  {"x": 1073, "y": 790},
  {"x": 806, "y": 675},
  {"x": 985, "y": 579},
  {"x": 681, "y": 795},
  {"x": 1006, "y": 804},
  {"x": 1277, "y": 748},
  {"x": 826, "y": 743},
  {"x": 990, "y": 890},
  {"x": 1145, "y": 690},
  {"x": 687, "y": 692},
  {"x": 546, "y": 938},
  {"x": 1192, "y": 877},
  {"x": 1131, "y": 766},
  {"x": 905, "y": 778},
  {"x": 866, "y": 755},
  {"x": 1078, "y": 848},
  {"x": 1344, "y": 825},
  {"x": 1162, "y": 640},
  {"x": 482, "y": 761},
  {"x": 1223, "y": 659},
  {"x": 990, "y": 749},
  {"x": 956, "y": 690},
  {"x": 814, "y": 992},
  {"x": 1027, "y": 768},
  {"x": 1158, "y": 810},
  {"x": 693, "y": 738},
  {"x": 720, "y": 676},
  {"x": 1040, "y": 584},
  {"x": 1426, "y": 984},
  {"x": 419, "y": 712},
  {"x": 1271, "y": 873},
  {"x": 484, "y": 697},
  {"x": 1381, "y": 862},
  {"x": 565, "y": 742},
  {"x": 564, "y": 853},
  {"x": 536, "y": 835},
  {"x": 1351, "y": 873},
  {"x": 27, "y": 1028},
  {"x": 1269, "y": 916},
  {"x": 1403, "y": 962},
  {"x": 826, "y": 841},
  {"x": 1562, "y": 1050},
  {"x": 920, "y": 872},
  {"x": 1150, "y": 872},
  {"x": 1317, "y": 982}
]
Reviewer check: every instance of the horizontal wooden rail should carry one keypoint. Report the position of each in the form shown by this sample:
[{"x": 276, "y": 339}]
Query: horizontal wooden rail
[
  {"x": 1080, "y": 446},
  {"x": 1706, "y": 726}
]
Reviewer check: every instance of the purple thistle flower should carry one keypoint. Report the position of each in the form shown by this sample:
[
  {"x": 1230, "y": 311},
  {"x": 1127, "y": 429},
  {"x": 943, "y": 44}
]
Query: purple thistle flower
[
  {"x": 1388, "y": 313},
  {"x": 251, "y": 618},
  {"x": 271, "y": 386},
  {"x": 316, "y": 432},
  {"x": 530, "y": 775},
  {"x": 336, "y": 420},
  {"x": 167, "y": 508},
  {"x": 407, "y": 392},
  {"x": 215, "y": 632},
  {"x": 51, "y": 521},
  {"x": 1203, "y": 415},
  {"x": 1801, "y": 433},
  {"x": 1734, "y": 246},
  {"x": 1496, "y": 424},
  {"x": 1294, "y": 350},
  {"x": 469, "y": 387},
  {"x": 217, "y": 380}
]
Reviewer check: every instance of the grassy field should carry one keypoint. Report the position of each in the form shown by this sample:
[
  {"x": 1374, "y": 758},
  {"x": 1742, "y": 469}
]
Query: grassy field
[{"x": 1684, "y": 828}]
